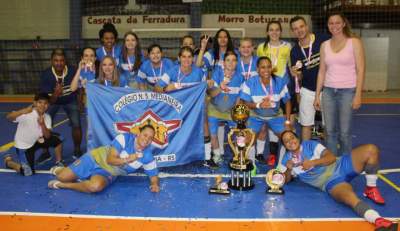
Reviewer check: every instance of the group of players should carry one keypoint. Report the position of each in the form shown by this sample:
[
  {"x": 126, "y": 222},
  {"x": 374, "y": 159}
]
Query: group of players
[{"x": 278, "y": 82}]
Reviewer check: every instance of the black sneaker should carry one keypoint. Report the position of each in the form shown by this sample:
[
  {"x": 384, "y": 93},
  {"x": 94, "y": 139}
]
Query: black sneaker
[
  {"x": 210, "y": 164},
  {"x": 43, "y": 158},
  {"x": 260, "y": 158},
  {"x": 77, "y": 154}
]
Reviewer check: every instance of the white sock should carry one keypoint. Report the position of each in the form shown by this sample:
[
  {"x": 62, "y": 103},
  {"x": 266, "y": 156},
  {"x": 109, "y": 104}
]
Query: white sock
[
  {"x": 272, "y": 136},
  {"x": 217, "y": 155},
  {"x": 282, "y": 151},
  {"x": 252, "y": 154},
  {"x": 371, "y": 180},
  {"x": 260, "y": 146},
  {"x": 371, "y": 215},
  {"x": 221, "y": 138},
  {"x": 207, "y": 150}
]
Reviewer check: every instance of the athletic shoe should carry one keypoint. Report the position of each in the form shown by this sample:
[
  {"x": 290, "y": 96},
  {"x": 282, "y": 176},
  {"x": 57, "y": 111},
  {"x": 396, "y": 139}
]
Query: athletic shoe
[
  {"x": 7, "y": 158},
  {"x": 271, "y": 160},
  {"x": 26, "y": 170},
  {"x": 260, "y": 158},
  {"x": 77, "y": 154},
  {"x": 43, "y": 158},
  {"x": 55, "y": 169},
  {"x": 210, "y": 164},
  {"x": 374, "y": 194},
  {"x": 382, "y": 224},
  {"x": 53, "y": 184}
]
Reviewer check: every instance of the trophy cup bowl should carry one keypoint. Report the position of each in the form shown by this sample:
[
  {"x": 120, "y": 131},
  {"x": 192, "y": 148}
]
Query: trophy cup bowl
[
  {"x": 240, "y": 114},
  {"x": 275, "y": 180}
]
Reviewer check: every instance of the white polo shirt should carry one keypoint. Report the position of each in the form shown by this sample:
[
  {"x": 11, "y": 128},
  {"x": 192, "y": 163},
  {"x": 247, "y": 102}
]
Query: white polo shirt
[{"x": 28, "y": 129}]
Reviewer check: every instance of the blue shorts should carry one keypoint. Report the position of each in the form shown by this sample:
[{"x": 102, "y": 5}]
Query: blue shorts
[
  {"x": 86, "y": 167},
  {"x": 213, "y": 124},
  {"x": 276, "y": 124},
  {"x": 344, "y": 172}
]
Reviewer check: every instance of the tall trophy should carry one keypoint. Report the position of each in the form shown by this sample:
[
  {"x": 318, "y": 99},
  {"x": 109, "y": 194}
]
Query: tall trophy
[
  {"x": 275, "y": 180},
  {"x": 240, "y": 140}
]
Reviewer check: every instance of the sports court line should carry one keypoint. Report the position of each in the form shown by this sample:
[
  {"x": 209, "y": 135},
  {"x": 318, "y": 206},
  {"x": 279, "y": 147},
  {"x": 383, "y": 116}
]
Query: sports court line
[
  {"x": 183, "y": 175},
  {"x": 9, "y": 145},
  {"x": 389, "y": 182},
  {"x": 2, "y": 213}
]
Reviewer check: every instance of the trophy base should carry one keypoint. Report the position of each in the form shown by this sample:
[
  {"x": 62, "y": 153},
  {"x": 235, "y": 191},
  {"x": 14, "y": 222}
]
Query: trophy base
[
  {"x": 240, "y": 186},
  {"x": 278, "y": 191},
  {"x": 215, "y": 190},
  {"x": 247, "y": 166}
]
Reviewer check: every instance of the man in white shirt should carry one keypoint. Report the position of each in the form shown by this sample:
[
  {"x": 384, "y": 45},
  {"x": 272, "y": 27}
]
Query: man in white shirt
[{"x": 33, "y": 132}]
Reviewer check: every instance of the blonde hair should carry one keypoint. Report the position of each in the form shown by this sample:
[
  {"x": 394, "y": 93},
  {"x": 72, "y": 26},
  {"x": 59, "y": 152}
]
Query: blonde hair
[
  {"x": 246, "y": 39},
  {"x": 115, "y": 74}
]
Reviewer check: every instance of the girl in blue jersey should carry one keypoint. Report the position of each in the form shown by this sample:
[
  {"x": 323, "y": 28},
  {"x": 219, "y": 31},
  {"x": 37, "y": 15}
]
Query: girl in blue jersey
[
  {"x": 215, "y": 56},
  {"x": 180, "y": 76},
  {"x": 224, "y": 95},
  {"x": 109, "y": 74},
  {"x": 263, "y": 94},
  {"x": 131, "y": 59},
  {"x": 99, "y": 168},
  {"x": 317, "y": 166},
  {"x": 108, "y": 37},
  {"x": 151, "y": 70},
  {"x": 86, "y": 72},
  {"x": 278, "y": 52},
  {"x": 247, "y": 61}
]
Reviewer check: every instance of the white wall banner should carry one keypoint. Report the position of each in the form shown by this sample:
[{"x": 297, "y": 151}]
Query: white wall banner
[
  {"x": 255, "y": 24},
  {"x": 123, "y": 23}
]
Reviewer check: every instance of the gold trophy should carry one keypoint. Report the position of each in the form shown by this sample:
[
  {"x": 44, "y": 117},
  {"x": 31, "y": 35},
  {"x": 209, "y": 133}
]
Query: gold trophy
[
  {"x": 240, "y": 140},
  {"x": 275, "y": 180},
  {"x": 220, "y": 187}
]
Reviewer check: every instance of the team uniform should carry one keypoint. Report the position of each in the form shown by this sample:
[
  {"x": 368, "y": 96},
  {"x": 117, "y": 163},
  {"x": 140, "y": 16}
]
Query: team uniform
[
  {"x": 280, "y": 59},
  {"x": 175, "y": 75},
  {"x": 87, "y": 75},
  {"x": 149, "y": 75},
  {"x": 220, "y": 106},
  {"x": 310, "y": 64},
  {"x": 210, "y": 62},
  {"x": 322, "y": 177},
  {"x": 115, "y": 53},
  {"x": 129, "y": 76},
  {"x": 247, "y": 70},
  {"x": 95, "y": 161},
  {"x": 253, "y": 91}
]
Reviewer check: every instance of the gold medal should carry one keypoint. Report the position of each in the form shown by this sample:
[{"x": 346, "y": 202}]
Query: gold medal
[{"x": 41, "y": 140}]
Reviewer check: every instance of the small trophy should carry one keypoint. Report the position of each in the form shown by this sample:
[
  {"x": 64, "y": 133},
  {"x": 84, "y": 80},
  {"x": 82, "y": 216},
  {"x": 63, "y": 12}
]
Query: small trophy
[
  {"x": 275, "y": 180},
  {"x": 220, "y": 187},
  {"x": 240, "y": 140}
]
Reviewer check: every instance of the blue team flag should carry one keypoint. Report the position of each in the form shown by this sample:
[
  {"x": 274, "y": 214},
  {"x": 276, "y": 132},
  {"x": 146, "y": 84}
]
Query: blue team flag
[{"x": 177, "y": 118}]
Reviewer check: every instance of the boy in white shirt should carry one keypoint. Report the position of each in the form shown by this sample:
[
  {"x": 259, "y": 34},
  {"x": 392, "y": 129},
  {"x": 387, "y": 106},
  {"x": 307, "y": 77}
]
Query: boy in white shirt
[{"x": 33, "y": 132}]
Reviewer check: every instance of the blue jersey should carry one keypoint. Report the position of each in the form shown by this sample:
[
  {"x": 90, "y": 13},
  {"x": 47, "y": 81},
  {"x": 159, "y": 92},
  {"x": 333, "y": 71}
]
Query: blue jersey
[
  {"x": 115, "y": 53},
  {"x": 309, "y": 67},
  {"x": 224, "y": 101},
  {"x": 148, "y": 74},
  {"x": 175, "y": 75},
  {"x": 210, "y": 62},
  {"x": 124, "y": 144},
  {"x": 317, "y": 176},
  {"x": 88, "y": 75},
  {"x": 252, "y": 91},
  {"x": 123, "y": 82},
  {"x": 128, "y": 74},
  {"x": 245, "y": 69}
]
